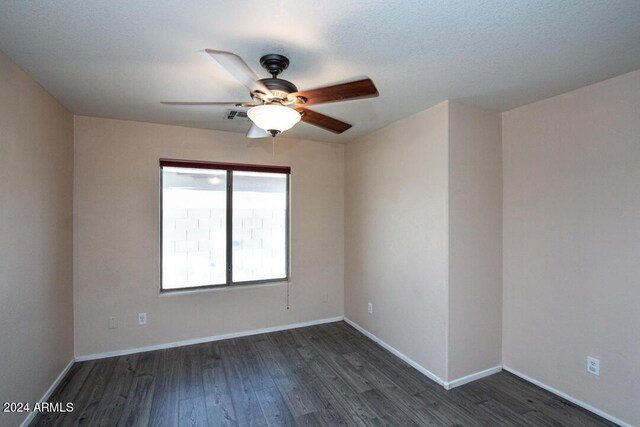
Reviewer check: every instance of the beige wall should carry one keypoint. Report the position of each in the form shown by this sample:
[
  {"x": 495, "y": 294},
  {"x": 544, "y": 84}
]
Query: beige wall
[
  {"x": 116, "y": 257},
  {"x": 36, "y": 183},
  {"x": 475, "y": 240},
  {"x": 423, "y": 225},
  {"x": 572, "y": 240},
  {"x": 396, "y": 235}
]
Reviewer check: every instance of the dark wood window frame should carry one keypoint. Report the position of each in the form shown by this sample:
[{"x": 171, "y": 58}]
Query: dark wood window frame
[{"x": 230, "y": 168}]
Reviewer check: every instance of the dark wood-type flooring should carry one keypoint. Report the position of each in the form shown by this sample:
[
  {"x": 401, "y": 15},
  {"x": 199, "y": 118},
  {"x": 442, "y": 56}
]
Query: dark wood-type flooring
[{"x": 327, "y": 375}]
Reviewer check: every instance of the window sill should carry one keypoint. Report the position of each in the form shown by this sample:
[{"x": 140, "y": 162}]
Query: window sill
[{"x": 232, "y": 288}]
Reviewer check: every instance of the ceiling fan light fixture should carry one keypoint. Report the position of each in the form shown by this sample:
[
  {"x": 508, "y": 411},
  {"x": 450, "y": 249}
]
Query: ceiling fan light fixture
[
  {"x": 274, "y": 119},
  {"x": 277, "y": 103}
]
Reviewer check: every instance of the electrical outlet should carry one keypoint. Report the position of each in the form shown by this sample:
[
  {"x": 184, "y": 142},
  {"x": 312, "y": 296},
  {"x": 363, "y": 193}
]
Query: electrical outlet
[
  {"x": 370, "y": 308},
  {"x": 593, "y": 365},
  {"x": 113, "y": 322},
  {"x": 142, "y": 318}
]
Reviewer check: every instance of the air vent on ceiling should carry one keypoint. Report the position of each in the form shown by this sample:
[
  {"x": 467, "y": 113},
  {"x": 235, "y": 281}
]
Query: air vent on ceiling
[{"x": 235, "y": 115}]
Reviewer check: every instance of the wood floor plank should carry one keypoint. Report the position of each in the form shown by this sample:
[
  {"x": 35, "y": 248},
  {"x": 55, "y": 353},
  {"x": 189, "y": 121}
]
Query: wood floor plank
[
  {"x": 297, "y": 395},
  {"x": 327, "y": 374},
  {"x": 387, "y": 410},
  {"x": 192, "y": 413},
  {"x": 507, "y": 415},
  {"x": 411, "y": 380},
  {"x": 247, "y": 408},
  {"x": 67, "y": 391},
  {"x": 210, "y": 356},
  {"x": 138, "y": 409},
  {"x": 324, "y": 375},
  {"x": 256, "y": 367},
  {"x": 407, "y": 402},
  {"x": 324, "y": 381},
  {"x": 360, "y": 412},
  {"x": 335, "y": 342},
  {"x": 299, "y": 337},
  {"x": 537, "y": 419},
  {"x": 342, "y": 367},
  {"x": 165, "y": 404},
  {"x": 546, "y": 404},
  {"x": 190, "y": 372},
  {"x": 273, "y": 359},
  {"x": 335, "y": 410},
  {"x": 92, "y": 392},
  {"x": 116, "y": 394},
  {"x": 288, "y": 346},
  {"x": 314, "y": 419},
  {"x": 218, "y": 403},
  {"x": 474, "y": 392},
  {"x": 569, "y": 415},
  {"x": 274, "y": 407},
  {"x": 450, "y": 411},
  {"x": 504, "y": 395}
]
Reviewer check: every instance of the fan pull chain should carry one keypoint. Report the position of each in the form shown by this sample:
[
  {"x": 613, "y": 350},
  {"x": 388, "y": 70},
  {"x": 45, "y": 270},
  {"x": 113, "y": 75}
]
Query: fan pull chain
[
  {"x": 288, "y": 306},
  {"x": 273, "y": 145}
]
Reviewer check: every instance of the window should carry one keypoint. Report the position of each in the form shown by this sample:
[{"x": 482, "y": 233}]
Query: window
[{"x": 223, "y": 224}]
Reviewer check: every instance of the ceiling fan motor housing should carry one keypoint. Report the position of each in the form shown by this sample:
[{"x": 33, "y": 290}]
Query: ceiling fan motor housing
[
  {"x": 274, "y": 63},
  {"x": 279, "y": 88}
]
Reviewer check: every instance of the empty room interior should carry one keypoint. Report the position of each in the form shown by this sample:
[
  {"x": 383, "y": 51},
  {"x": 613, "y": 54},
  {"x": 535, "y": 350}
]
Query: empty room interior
[{"x": 354, "y": 213}]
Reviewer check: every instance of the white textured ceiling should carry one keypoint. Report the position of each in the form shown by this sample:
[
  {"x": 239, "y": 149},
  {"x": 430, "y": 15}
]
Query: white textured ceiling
[{"x": 119, "y": 59}]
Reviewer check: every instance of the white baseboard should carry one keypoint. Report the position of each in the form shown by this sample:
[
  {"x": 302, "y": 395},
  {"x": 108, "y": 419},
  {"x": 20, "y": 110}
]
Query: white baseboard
[
  {"x": 205, "y": 339},
  {"x": 47, "y": 393},
  {"x": 472, "y": 377},
  {"x": 424, "y": 371},
  {"x": 567, "y": 397}
]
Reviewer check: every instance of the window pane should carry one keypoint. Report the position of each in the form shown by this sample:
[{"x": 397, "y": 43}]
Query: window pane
[
  {"x": 193, "y": 227},
  {"x": 259, "y": 226}
]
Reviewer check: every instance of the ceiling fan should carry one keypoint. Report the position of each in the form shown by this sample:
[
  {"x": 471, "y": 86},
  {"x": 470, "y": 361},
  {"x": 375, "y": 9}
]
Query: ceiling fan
[{"x": 277, "y": 104}]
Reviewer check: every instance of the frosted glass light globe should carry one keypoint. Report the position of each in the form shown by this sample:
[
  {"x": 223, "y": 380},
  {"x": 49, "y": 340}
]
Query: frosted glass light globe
[{"x": 274, "y": 118}]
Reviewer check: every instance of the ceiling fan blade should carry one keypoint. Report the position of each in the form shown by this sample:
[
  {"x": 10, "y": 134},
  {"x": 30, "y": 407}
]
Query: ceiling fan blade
[
  {"x": 322, "y": 121},
  {"x": 240, "y": 70},
  {"x": 342, "y": 92},
  {"x": 231, "y": 104},
  {"x": 256, "y": 132}
]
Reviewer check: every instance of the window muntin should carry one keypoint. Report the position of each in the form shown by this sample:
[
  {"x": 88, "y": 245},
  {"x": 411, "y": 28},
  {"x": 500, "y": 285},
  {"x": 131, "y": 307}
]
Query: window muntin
[{"x": 223, "y": 224}]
